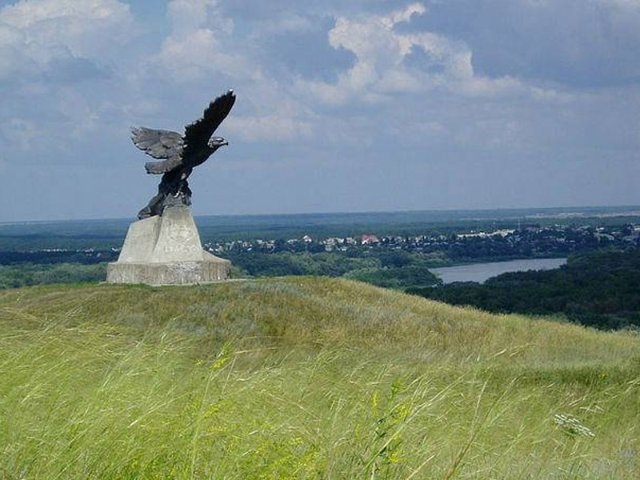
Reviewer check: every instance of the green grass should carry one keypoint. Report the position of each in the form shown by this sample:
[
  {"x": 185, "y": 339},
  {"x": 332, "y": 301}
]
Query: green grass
[{"x": 305, "y": 378}]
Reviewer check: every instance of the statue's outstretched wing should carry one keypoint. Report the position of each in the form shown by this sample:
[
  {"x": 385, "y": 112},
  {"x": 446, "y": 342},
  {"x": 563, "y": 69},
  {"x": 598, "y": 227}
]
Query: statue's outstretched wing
[
  {"x": 197, "y": 134},
  {"x": 157, "y": 143},
  {"x": 162, "y": 144}
]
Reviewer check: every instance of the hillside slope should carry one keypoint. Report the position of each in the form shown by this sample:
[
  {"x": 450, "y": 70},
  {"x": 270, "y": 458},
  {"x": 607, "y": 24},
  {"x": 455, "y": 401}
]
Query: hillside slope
[{"x": 305, "y": 378}]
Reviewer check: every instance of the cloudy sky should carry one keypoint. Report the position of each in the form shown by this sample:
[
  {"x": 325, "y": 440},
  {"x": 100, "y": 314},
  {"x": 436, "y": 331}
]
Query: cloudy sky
[{"x": 343, "y": 105}]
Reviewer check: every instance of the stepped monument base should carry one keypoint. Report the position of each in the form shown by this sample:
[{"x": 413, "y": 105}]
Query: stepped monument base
[{"x": 166, "y": 250}]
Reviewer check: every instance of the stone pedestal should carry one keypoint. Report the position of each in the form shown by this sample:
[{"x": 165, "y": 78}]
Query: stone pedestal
[{"x": 166, "y": 250}]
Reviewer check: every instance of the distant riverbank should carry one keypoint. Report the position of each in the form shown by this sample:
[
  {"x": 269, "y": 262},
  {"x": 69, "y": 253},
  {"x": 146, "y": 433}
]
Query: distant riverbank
[{"x": 480, "y": 272}]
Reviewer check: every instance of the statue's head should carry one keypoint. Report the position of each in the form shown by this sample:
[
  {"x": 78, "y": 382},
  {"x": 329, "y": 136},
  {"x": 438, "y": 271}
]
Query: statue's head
[{"x": 217, "y": 142}]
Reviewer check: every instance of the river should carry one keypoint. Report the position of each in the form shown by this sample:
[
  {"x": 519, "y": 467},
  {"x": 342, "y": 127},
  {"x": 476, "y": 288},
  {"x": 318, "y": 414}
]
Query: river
[{"x": 479, "y": 272}]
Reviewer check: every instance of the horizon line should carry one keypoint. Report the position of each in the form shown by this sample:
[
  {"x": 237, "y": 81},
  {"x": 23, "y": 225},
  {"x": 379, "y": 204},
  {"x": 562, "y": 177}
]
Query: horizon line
[{"x": 578, "y": 208}]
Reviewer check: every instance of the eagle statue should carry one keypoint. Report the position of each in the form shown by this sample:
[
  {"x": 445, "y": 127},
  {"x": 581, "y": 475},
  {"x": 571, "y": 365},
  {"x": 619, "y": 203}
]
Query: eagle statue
[{"x": 178, "y": 154}]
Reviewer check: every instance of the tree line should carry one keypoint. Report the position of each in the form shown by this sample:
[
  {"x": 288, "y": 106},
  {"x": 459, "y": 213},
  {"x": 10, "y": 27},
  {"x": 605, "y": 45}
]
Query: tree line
[{"x": 599, "y": 289}]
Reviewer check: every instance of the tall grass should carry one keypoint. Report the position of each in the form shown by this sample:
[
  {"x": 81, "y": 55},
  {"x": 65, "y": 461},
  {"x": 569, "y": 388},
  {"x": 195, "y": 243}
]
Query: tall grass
[{"x": 305, "y": 378}]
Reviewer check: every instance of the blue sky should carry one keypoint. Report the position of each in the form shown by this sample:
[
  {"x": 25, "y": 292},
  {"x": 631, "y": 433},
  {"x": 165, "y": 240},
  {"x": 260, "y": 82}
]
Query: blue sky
[{"x": 342, "y": 105}]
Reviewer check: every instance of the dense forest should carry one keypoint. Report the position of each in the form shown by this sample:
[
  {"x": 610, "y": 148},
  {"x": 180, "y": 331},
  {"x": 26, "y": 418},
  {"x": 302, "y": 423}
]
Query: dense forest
[
  {"x": 396, "y": 269},
  {"x": 29, "y": 274},
  {"x": 599, "y": 289},
  {"x": 391, "y": 269}
]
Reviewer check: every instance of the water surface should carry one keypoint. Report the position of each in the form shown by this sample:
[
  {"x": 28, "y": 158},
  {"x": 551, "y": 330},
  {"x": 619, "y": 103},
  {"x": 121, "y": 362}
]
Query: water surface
[{"x": 480, "y": 272}]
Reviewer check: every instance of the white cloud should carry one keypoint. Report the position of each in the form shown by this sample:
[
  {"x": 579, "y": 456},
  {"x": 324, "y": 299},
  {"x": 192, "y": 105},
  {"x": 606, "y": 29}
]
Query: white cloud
[
  {"x": 202, "y": 46},
  {"x": 381, "y": 52},
  {"x": 189, "y": 15},
  {"x": 273, "y": 114},
  {"x": 198, "y": 46},
  {"x": 285, "y": 22},
  {"x": 631, "y": 4},
  {"x": 21, "y": 131},
  {"x": 198, "y": 55},
  {"x": 406, "y": 14},
  {"x": 35, "y": 34},
  {"x": 278, "y": 127}
]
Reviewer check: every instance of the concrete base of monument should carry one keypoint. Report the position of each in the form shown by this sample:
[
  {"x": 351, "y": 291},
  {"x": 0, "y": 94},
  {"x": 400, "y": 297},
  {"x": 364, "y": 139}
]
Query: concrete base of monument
[
  {"x": 177, "y": 273},
  {"x": 166, "y": 250}
]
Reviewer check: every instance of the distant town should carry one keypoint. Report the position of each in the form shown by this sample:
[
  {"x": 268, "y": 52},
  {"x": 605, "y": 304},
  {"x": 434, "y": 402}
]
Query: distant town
[{"x": 529, "y": 241}]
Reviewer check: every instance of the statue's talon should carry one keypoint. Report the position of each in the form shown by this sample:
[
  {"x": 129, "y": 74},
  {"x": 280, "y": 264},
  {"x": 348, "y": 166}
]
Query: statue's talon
[{"x": 144, "y": 213}]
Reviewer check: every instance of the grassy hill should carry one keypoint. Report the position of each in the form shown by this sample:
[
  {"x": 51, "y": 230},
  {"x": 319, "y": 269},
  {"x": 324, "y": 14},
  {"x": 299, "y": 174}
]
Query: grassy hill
[{"x": 305, "y": 378}]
